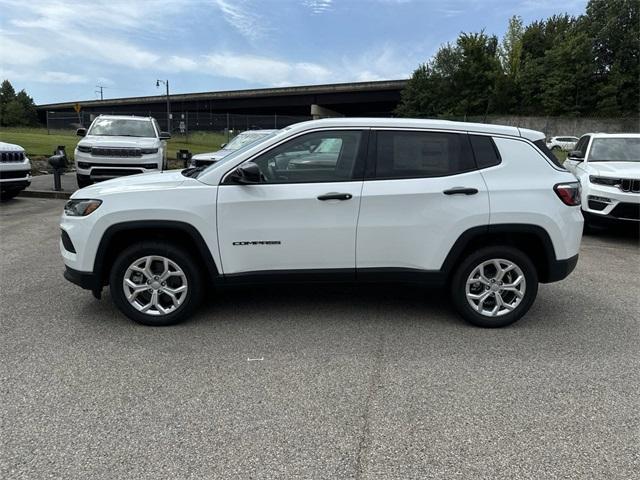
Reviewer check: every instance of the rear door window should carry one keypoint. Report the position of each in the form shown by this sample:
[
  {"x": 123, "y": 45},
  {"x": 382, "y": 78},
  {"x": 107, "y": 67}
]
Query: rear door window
[{"x": 416, "y": 154}]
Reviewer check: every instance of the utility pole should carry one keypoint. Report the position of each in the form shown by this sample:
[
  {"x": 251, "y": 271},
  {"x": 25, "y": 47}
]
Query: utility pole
[
  {"x": 166, "y": 83},
  {"x": 101, "y": 87}
]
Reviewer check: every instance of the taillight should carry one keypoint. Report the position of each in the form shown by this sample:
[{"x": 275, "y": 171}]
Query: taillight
[{"x": 569, "y": 193}]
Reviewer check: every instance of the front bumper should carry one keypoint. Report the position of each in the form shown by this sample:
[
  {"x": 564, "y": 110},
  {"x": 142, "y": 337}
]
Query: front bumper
[
  {"x": 15, "y": 179},
  {"x": 609, "y": 203},
  {"x": 101, "y": 168},
  {"x": 86, "y": 280}
]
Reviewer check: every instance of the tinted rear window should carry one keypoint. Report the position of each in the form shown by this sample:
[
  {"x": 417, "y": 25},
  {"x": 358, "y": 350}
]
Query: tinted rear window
[
  {"x": 485, "y": 151},
  {"x": 402, "y": 154},
  {"x": 548, "y": 153}
]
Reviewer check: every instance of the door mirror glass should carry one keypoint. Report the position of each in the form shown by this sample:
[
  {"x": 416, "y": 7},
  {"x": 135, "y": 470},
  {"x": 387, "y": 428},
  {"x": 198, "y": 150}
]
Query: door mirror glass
[
  {"x": 576, "y": 155},
  {"x": 165, "y": 135},
  {"x": 81, "y": 132},
  {"x": 246, "y": 174}
]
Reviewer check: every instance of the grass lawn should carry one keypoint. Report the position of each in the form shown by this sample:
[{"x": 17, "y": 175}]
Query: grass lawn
[{"x": 38, "y": 144}]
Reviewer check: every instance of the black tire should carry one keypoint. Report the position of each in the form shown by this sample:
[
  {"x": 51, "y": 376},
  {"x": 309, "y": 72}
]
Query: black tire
[
  {"x": 174, "y": 253},
  {"x": 464, "y": 270},
  {"x": 8, "y": 195},
  {"x": 83, "y": 181}
]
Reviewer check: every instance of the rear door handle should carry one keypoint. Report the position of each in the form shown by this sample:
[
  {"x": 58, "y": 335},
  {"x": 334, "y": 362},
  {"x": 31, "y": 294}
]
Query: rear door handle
[
  {"x": 461, "y": 191},
  {"x": 335, "y": 196}
]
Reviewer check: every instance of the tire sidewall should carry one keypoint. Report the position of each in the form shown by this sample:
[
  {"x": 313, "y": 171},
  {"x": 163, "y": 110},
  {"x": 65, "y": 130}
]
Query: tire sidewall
[
  {"x": 175, "y": 254},
  {"x": 458, "y": 286}
]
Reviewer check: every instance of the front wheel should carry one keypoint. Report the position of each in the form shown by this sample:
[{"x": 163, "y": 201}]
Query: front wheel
[
  {"x": 494, "y": 287},
  {"x": 156, "y": 283},
  {"x": 83, "y": 181}
]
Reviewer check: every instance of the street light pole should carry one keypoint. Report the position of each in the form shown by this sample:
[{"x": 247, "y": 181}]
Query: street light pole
[{"x": 166, "y": 83}]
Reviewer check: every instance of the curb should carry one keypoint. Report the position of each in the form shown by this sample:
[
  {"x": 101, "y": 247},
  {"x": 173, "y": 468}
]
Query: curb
[{"x": 45, "y": 194}]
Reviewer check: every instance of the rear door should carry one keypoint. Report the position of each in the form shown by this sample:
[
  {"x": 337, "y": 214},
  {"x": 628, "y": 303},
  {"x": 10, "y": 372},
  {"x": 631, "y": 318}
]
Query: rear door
[
  {"x": 302, "y": 217},
  {"x": 422, "y": 190}
]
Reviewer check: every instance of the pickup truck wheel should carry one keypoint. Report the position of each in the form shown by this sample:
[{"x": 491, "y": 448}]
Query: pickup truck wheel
[
  {"x": 494, "y": 286},
  {"x": 156, "y": 283}
]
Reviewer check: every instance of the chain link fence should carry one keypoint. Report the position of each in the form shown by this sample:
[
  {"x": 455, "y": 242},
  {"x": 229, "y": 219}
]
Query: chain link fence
[
  {"x": 231, "y": 123},
  {"x": 182, "y": 122}
]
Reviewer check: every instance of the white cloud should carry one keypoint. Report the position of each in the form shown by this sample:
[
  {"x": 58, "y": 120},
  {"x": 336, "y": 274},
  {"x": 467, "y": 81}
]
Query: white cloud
[
  {"x": 240, "y": 16},
  {"x": 319, "y": 6},
  {"x": 15, "y": 52},
  {"x": 263, "y": 70},
  {"x": 60, "y": 77}
]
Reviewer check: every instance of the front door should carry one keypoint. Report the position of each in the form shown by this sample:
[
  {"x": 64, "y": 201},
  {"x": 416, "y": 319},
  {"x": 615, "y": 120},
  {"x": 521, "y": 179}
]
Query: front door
[{"x": 303, "y": 215}]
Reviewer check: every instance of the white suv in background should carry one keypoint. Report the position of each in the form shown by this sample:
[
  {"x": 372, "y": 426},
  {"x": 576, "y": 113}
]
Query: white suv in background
[
  {"x": 608, "y": 167},
  {"x": 15, "y": 170},
  {"x": 562, "y": 143},
  {"x": 115, "y": 146},
  {"x": 480, "y": 208}
]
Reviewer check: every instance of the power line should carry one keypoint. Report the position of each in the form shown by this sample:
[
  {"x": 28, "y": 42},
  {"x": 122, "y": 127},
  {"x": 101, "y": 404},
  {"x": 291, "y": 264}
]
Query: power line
[{"x": 101, "y": 87}]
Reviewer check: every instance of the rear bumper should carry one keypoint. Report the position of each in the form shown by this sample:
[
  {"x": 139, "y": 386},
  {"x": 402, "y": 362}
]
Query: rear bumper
[{"x": 560, "y": 269}]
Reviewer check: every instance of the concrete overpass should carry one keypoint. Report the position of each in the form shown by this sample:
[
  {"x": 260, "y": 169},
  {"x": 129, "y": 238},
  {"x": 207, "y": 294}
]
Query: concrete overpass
[{"x": 377, "y": 98}]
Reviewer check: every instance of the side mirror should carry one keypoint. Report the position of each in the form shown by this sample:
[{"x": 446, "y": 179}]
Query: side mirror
[
  {"x": 81, "y": 132},
  {"x": 165, "y": 135},
  {"x": 246, "y": 174},
  {"x": 576, "y": 155},
  {"x": 222, "y": 145}
]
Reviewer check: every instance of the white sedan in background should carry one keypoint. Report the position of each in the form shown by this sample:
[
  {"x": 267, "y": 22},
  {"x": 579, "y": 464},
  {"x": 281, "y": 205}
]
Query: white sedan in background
[{"x": 245, "y": 138}]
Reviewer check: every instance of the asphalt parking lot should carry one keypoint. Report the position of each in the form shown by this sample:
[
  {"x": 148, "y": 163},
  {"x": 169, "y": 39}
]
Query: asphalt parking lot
[{"x": 316, "y": 382}]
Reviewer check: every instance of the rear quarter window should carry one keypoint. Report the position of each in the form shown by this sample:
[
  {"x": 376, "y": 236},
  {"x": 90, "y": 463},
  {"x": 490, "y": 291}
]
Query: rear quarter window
[
  {"x": 485, "y": 151},
  {"x": 548, "y": 153}
]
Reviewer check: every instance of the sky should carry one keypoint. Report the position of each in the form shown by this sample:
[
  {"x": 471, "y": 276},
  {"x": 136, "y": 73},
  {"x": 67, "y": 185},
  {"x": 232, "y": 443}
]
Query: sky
[{"x": 60, "y": 50}]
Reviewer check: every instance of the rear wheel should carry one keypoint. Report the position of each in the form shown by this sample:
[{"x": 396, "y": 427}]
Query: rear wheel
[
  {"x": 156, "y": 283},
  {"x": 494, "y": 286}
]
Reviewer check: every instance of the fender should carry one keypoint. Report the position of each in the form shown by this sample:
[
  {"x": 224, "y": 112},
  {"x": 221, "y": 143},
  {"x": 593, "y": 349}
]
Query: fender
[{"x": 169, "y": 225}]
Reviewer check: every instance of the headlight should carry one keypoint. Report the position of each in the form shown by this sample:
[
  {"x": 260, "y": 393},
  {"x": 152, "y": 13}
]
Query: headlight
[
  {"x": 84, "y": 149},
  {"x": 81, "y": 208},
  {"x": 148, "y": 151},
  {"x": 612, "y": 182}
]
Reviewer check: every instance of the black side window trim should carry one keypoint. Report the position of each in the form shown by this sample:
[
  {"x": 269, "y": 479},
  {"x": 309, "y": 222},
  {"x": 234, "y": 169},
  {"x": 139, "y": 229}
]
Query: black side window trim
[{"x": 371, "y": 167}]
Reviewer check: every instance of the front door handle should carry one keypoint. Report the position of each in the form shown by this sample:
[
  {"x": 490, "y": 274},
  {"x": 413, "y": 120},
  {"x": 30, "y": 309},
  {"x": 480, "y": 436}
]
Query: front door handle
[
  {"x": 335, "y": 196},
  {"x": 461, "y": 191}
]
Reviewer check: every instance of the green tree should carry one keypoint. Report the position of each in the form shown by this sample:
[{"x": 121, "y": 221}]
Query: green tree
[
  {"x": 614, "y": 27},
  {"x": 459, "y": 80},
  {"x": 7, "y": 95},
  {"x": 30, "y": 111}
]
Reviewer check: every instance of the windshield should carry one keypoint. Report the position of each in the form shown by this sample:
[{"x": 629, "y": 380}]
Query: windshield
[
  {"x": 261, "y": 138},
  {"x": 112, "y": 127},
  {"x": 615, "y": 150},
  {"x": 244, "y": 139}
]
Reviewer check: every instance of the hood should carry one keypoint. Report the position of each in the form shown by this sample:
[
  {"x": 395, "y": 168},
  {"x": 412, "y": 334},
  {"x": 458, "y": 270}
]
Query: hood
[
  {"x": 133, "y": 183},
  {"x": 10, "y": 147},
  {"x": 615, "y": 169},
  {"x": 215, "y": 156},
  {"x": 115, "y": 142}
]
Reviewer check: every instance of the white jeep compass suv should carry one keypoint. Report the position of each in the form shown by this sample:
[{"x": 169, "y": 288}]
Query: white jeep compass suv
[
  {"x": 15, "y": 170},
  {"x": 480, "y": 208},
  {"x": 116, "y": 145},
  {"x": 608, "y": 167}
]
